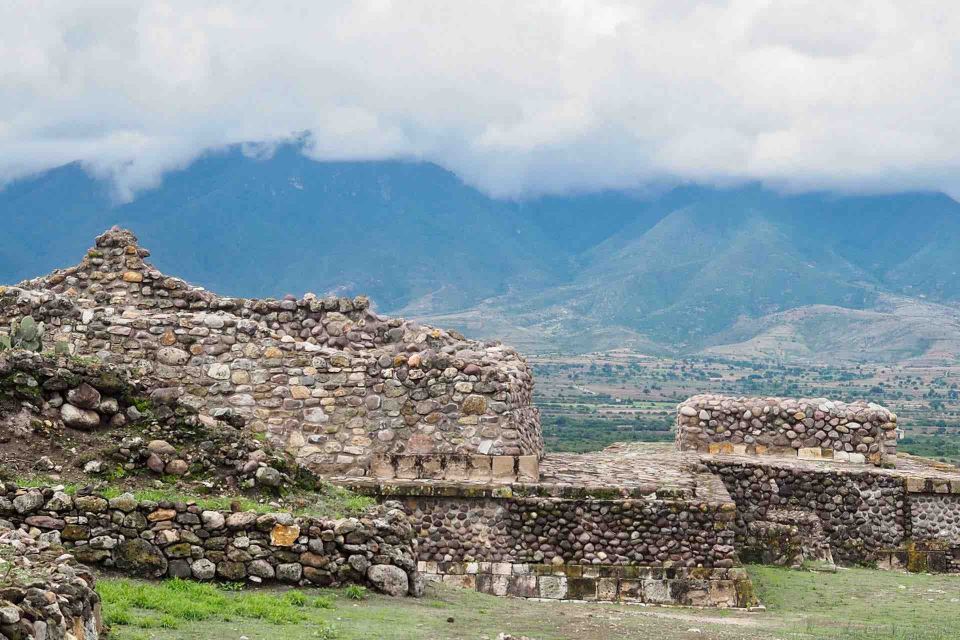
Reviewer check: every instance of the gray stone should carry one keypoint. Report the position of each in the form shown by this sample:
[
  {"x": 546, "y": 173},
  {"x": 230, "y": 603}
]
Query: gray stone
[
  {"x": 212, "y": 520},
  {"x": 82, "y": 419},
  {"x": 269, "y": 477},
  {"x": 173, "y": 356},
  {"x": 389, "y": 579},
  {"x": 29, "y": 501},
  {"x": 203, "y": 569},
  {"x": 261, "y": 569},
  {"x": 289, "y": 572}
]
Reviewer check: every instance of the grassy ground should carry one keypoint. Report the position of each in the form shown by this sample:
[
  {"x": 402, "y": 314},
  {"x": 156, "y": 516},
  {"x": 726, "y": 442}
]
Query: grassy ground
[
  {"x": 326, "y": 501},
  {"x": 853, "y": 604}
]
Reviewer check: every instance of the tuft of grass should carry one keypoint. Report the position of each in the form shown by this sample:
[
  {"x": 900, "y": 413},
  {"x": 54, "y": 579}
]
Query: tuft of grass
[{"x": 355, "y": 592}]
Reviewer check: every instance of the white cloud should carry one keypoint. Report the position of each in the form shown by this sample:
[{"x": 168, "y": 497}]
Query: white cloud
[{"x": 515, "y": 96}]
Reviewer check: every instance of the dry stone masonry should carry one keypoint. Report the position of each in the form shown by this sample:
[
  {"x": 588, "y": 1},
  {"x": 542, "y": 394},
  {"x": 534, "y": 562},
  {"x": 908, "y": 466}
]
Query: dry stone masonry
[
  {"x": 325, "y": 378},
  {"x": 45, "y": 593},
  {"x": 166, "y": 539},
  {"x": 805, "y": 428}
]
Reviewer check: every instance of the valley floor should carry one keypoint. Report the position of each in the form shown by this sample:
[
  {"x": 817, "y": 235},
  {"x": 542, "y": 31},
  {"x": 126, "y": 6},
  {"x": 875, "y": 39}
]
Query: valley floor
[{"x": 852, "y": 604}]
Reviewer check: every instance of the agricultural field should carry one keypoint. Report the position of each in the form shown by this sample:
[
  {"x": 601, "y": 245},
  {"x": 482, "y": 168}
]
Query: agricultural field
[{"x": 590, "y": 401}]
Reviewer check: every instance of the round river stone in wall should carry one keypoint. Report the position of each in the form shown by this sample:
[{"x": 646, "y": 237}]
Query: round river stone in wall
[{"x": 173, "y": 356}]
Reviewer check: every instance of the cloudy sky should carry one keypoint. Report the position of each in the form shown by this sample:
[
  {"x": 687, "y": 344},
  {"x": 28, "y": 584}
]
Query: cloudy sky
[{"x": 517, "y": 96}]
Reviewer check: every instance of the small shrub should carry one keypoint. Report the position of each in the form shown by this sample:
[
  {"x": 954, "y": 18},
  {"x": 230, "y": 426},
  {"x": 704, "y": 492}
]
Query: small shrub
[
  {"x": 355, "y": 592},
  {"x": 296, "y": 598},
  {"x": 323, "y": 602}
]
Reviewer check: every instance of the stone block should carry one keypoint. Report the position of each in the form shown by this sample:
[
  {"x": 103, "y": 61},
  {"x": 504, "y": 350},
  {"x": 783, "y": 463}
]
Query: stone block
[
  {"x": 463, "y": 582},
  {"x": 841, "y": 456},
  {"x": 522, "y": 587},
  {"x": 857, "y": 458},
  {"x": 582, "y": 589},
  {"x": 480, "y": 468},
  {"x": 739, "y": 449},
  {"x": 502, "y": 569},
  {"x": 590, "y": 571},
  {"x": 499, "y": 585},
  {"x": 456, "y": 469},
  {"x": 809, "y": 453},
  {"x": 407, "y": 468},
  {"x": 657, "y": 592},
  {"x": 631, "y": 590},
  {"x": 608, "y": 589},
  {"x": 503, "y": 468},
  {"x": 431, "y": 467},
  {"x": 552, "y": 587},
  {"x": 529, "y": 468},
  {"x": 916, "y": 485},
  {"x": 721, "y": 593}
]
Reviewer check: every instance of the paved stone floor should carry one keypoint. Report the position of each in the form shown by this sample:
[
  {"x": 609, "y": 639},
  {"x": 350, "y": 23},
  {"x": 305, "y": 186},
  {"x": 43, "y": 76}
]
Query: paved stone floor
[{"x": 640, "y": 466}]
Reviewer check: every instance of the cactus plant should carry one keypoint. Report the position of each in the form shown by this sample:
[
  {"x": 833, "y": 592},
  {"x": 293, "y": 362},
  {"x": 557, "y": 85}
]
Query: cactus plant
[
  {"x": 5, "y": 342},
  {"x": 27, "y": 334}
]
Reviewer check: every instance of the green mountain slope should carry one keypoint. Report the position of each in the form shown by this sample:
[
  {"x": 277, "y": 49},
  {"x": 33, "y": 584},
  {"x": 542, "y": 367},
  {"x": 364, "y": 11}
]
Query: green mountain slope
[{"x": 684, "y": 270}]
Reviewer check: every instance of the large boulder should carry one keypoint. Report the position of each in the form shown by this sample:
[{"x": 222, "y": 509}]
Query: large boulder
[{"x": 389, "y": 579}]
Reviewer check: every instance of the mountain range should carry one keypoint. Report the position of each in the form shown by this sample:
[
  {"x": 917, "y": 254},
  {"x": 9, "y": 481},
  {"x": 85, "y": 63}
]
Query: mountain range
[{"x": 734, "y": 272}]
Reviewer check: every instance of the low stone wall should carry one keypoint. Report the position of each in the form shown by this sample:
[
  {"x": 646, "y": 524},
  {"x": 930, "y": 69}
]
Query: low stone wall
[
  {"x": 799, "y": 428},
  {"x": 697, "y": 587},
  {"x": 564, "y": 542},
  {"x": 157, "y": 539},
  {"x": 45, "y": 593}
]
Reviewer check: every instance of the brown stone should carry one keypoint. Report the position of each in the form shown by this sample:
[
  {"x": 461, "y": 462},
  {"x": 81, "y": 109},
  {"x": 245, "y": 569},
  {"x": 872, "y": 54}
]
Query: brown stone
[
  {"x": 162, "y": 514},
  {"x": 474, "y": 405},
  {"x": 284, "y": 535},
  {"x": 132, "y": 276}
]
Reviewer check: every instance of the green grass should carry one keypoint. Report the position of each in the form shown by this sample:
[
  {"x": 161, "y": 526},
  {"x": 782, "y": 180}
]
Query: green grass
[
  {"x": 178, "y": 604},
  {"x": 852, "y": 604},
  {"x": 862, "y": 603},
  {"x": 328, "y": 501}
]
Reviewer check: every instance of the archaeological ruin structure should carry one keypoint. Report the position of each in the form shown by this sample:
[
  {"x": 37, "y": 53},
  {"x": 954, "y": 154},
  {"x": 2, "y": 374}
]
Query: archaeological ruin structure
[{"x": 443, "y": 431}]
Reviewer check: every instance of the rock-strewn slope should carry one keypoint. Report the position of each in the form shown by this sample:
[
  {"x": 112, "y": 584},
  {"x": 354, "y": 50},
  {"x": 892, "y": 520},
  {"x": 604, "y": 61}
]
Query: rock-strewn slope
[
  {"x": 65, "y": 415},
  {"x": 327, "y": 379}
]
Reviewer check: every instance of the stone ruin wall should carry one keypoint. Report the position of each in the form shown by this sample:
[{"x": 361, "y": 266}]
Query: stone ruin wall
[
  {"x": 555, "y": 542},
  {"x": 812, "y": 429},
  {"x": 167, "y": 539},
  {"x": 330, "y": 381},
  {"x": 46, "y": 595},
  {"x": 861, "y": 513},
  {"x": 867, "y": 517}
]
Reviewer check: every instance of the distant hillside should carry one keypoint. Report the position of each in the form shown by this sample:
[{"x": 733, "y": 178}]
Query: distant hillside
[{"x": 734, "y": 271}]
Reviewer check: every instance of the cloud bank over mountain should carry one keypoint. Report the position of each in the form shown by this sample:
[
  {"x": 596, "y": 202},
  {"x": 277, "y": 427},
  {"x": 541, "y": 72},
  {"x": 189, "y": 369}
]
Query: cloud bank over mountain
[{"x": 517, "y": 98}]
